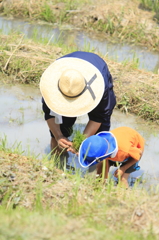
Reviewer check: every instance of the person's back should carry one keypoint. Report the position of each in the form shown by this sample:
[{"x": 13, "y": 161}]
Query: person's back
[{"x": 130, "y": 143}]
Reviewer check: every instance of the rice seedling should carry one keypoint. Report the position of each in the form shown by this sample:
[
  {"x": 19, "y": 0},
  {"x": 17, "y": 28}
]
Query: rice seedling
[{"x": 78, "y": 138}]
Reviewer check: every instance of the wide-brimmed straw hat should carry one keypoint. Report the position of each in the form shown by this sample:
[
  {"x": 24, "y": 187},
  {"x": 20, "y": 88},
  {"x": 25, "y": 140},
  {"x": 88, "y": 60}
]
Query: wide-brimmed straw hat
[
  {"x": 96, "y": 148},
  {"x": 71, "y": 86}
]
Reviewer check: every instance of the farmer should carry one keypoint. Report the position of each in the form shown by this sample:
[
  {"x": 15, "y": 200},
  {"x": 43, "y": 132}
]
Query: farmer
[
  {"x": 76, "y": 84},
  {"x": 121, "y": 146}
]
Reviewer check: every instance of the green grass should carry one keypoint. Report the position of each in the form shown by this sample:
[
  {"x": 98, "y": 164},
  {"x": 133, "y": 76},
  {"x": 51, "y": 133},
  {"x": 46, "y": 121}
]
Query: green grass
[
  {"x": 151, "y": 5},
  {"x": 16, "y": 147},
  {"x": 47, "y": 14},
  {"x": 134, "y": 63},
  {"x": 36, "y": 225},
  {"x": 43, "y": 202}
]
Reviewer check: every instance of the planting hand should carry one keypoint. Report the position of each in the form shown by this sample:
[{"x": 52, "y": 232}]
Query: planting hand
[
  {"x": 64, "y": 142},
  {"x": 118, "y": 173},
  {"x": 72, "y": 150}
]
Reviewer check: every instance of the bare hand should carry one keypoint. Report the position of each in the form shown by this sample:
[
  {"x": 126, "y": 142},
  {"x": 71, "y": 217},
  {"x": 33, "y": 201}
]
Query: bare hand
[
  {"x": 118, "y": 173},
  {"x": 71, "y": 149},
  {"x": 64, "y": 142}
]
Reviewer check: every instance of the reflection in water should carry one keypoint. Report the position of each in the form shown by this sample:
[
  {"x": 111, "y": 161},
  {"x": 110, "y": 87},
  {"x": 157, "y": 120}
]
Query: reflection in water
[
  {"x": 147, "y": 60},
  {"x": 21, "y": 120}
]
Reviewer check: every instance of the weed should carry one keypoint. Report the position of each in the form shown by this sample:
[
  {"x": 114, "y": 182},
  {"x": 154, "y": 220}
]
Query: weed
[
  {"x": 39, "y": 195},
  {"x": 47, "y": 14},
  {"x": 16, "y": 147},
  {"x": 124, "y": 103},
  {"x": 3, "y": 144},
  {"x": 106, "y": 26},
  {"x": 150, "y": 5},
  {"x": 147, "y": 111},
  {"x": 134, "y": 63}
]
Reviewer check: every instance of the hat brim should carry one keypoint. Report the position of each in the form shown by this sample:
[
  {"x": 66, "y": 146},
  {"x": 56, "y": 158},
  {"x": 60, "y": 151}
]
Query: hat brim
[
  {"x": 111, "y": 152},
  {"x": 65, "y": 106}
]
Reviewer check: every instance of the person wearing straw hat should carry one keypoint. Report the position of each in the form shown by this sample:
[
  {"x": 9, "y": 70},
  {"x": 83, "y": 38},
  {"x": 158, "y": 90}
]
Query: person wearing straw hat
[
  {"x": 76, "y": 84},
  {"x": 122, "y": 145}
]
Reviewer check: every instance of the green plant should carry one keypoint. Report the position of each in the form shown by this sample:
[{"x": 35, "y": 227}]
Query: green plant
[
  {"x": 150, "y": 5},
  {"x": 124, "y": 103},
  {"x": 3, "y": 143},
  {"x": 47, "y": 14},
  {"x": 78, "y": 139}
]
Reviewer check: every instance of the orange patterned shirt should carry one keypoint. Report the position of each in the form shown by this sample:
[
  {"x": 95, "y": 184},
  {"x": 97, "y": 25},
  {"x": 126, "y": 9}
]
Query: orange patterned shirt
[{"x": 130, "y": 144}]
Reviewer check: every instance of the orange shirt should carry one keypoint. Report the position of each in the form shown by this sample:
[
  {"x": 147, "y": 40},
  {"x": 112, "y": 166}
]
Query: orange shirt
[{"x": 130, "y": 144}]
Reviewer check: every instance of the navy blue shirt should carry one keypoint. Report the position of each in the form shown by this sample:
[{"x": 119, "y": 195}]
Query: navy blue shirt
[{"x": 102, "y": 112}]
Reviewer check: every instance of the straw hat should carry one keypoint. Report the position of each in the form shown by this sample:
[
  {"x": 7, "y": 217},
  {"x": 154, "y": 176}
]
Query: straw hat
[
  {"x": 72, "y": 87},
  {"x": 96, "y": 148}
]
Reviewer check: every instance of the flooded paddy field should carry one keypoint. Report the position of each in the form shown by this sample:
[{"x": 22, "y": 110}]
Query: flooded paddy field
[
  {"x": 22, "y": 122},
  {"x": 21, "y": 114},
  {"x": 38, "y": 200}
]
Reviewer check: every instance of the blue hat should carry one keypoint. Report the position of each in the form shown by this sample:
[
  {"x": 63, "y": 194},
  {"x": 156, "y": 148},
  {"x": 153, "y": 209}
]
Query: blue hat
[{"x": 96, "y": 148}]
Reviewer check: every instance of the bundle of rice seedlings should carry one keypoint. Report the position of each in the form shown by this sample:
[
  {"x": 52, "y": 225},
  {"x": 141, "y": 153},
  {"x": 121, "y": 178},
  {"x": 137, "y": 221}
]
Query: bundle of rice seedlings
[{"x": 78, "y": 139}]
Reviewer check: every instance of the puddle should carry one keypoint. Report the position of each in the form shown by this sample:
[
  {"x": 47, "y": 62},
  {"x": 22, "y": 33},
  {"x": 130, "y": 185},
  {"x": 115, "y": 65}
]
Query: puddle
[
  {"x": 119, "y": 52},
  {"x": 21, "y": 121}
]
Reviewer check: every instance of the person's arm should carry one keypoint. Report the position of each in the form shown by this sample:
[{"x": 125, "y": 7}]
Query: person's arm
[
  {"x": 62, "y": 141},
  {"x": 91, "y": 128},
  {"x": 119, "y": 172}
]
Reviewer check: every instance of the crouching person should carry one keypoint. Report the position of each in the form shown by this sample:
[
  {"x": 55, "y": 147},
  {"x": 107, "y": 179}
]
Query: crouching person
[{"x": 122, "y": 146}]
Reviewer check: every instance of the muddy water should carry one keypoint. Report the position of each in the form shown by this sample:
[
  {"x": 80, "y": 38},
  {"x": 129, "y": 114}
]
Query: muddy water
[
  {"x": 21, "y": 122},
  {"x": 50, "y": 33}
]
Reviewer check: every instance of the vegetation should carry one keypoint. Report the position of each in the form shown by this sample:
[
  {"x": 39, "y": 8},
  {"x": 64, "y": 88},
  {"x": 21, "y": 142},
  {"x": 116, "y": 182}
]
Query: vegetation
[
  {"x": 151, "y": 5},
  {"x": 46, "y": 10},
  {"x": 39, "y": 201},
  {"x": 127, "y": 21},
  {"x": 78, "y": 138}
]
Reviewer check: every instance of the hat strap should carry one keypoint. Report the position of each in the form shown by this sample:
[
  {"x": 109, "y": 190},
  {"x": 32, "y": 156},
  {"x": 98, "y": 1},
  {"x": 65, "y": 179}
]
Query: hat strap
[
  {"x": 85, "y": 88},
  {"x": 88, "y": 84}
]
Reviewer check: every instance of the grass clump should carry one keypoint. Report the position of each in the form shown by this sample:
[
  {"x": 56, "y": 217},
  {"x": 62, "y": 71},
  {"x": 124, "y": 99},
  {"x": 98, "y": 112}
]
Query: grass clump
[
  {"x": 78, "y": 139},
  {"x": 61, "y": 205},
  {"x": 46, "y": 10},
  {"x": 25, "y": 59},
  {"x": 151, "y": 5}
]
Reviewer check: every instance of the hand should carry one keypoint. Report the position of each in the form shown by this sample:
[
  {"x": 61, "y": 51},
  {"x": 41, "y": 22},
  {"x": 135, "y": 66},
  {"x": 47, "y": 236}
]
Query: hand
[
  {"x": 71, "y": 149},
  {"x": 118, "y": 173},
  {"x": 64, "y": 142}
]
